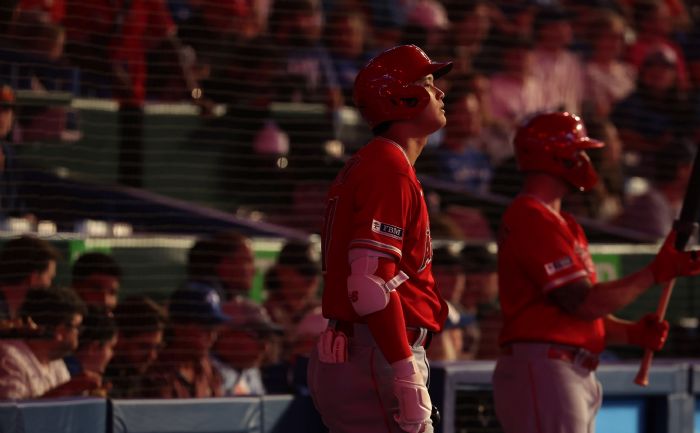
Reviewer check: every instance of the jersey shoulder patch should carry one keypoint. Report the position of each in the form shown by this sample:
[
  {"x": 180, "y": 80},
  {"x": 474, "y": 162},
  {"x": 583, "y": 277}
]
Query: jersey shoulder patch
[{"x": 389, "y": 230}]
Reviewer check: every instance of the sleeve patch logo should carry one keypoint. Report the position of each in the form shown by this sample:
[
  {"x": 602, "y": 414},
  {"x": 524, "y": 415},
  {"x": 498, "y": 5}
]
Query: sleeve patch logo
[
  {"x": 387, "y": 229},
  {"x": 558, "y": 265}
]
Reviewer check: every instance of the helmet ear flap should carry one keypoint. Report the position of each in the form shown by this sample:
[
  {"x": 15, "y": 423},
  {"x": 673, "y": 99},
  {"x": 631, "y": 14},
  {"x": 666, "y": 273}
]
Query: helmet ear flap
[{"x": 409, "y": 100}]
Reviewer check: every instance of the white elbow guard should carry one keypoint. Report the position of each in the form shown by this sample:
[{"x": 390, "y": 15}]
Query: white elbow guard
[{"x": 367, "y": 292}]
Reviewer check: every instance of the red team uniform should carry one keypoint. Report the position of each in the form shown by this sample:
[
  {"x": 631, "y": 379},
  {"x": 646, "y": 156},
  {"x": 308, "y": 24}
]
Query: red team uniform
[
  {"x": 376, "y": 202},
  {"x": 541, "y": 250},
  {"x": 369, "y": 371},
  {"x": 557, "y": 317}
]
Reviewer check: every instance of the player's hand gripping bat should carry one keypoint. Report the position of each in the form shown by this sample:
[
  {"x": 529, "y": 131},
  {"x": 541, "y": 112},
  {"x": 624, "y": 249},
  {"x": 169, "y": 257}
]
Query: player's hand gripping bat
[{"x": 685, "y": 226}]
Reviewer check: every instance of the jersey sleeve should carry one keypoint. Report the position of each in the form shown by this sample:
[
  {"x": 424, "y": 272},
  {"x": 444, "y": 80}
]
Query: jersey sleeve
[
  {"x": 383, "y": 207},
  {"x": 549, "y": 253}
]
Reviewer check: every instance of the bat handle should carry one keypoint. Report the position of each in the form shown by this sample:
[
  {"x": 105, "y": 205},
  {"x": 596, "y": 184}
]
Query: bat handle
[{"x": 642, "y": 378}]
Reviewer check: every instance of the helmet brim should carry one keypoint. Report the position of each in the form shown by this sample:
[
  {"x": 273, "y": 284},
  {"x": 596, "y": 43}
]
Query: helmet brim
[
  {"x": 590, "y": 143},
  {"x": 437, "y": 69}
]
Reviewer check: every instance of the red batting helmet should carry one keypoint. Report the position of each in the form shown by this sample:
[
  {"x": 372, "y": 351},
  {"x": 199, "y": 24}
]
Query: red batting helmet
[
  {"x": 552, "y": 143},
  {"x": 384, "y": 88}
]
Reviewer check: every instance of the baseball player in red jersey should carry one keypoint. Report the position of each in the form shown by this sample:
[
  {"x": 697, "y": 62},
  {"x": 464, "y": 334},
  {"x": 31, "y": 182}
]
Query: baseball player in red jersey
[
  {"x": 369, "y": 371},
  {"x": 557, "y": 317}
]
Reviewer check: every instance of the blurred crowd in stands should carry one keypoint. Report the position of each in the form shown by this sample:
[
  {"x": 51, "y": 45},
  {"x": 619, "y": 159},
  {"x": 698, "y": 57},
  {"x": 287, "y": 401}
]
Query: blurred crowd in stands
[
  {"x": 206, "y": 338},
  {"x": 630, "y": 68}
]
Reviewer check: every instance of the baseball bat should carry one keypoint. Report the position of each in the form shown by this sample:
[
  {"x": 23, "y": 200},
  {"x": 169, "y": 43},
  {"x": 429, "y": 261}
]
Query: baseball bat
[{"x": 685, "y": 226}]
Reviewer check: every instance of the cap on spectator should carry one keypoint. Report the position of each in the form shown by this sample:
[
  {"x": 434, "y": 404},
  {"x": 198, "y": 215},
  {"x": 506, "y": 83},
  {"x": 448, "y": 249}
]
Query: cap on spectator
[
  {"x": 196, "y": 303},
  {"x": 301, "y": 256},
  {"x": 247, "y": 316},
  {"x": 478, "y": 259},
  {"x": 661, "y": 54},
  {"x": 7, "y": 96}
]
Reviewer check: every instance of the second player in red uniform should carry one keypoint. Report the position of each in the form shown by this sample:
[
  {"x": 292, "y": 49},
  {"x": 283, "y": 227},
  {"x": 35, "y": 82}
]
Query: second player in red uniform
[{"x": 557, "y": 317}]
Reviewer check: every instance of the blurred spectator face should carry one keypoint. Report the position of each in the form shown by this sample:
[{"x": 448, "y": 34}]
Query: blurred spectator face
[
  {"x": 611, "y": 39},
  {"x": 658, "y": 72},
  {"x": 238, "y": 270},
  {"x": 194, "y": 339},
  {"x": 348, "y": 36},
  {"x": 43, "y": 279},
  {"x": 474, "y": 27},
  {"x": 140, "y": 350},
  {"x": 240, "y": 348},
  {"x": 101, "y": 290},
  {"x": 297, "y": 286},
  {"x": 465, "y": 117},
  {"x": 66, "y": 336},
  {"x": 98, "y": 355},
  {"x": 308, "y": 23}
]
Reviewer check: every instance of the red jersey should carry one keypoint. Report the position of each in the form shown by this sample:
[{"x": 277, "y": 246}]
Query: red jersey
[
  {"x": 376, "y": 202},
  {"x": 541, "y": 250}
]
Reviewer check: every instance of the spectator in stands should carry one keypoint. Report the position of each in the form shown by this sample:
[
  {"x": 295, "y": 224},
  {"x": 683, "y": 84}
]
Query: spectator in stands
[
  {"x": 95, "y": 346},
  {"x": 653, "y": 26},
  {"x": 297, "y": 27},
  {"x": 471, "y": 23},
  {"x": 515, "y": 91},
  {"x": 460, "y": 337},
  {"x": 225, "y": 261},
  {"x": 34, "y": 61},
  {"x": 292, "y": 286},
  {"x": 26, "y": 262},
  {"x": 141, "y": 323},
  {"x": 97, "y": 278},
  {"x": 42, "y": 66},
  {"x": 427, "y": 25},
  {"x": 184, "y": 367},
  {"x": 12, "y": 204},
  {"x": 559, "y": 70},
  {"x": 242, "y": 348},
  {"x": 653, "y": 212},
  {"x": 347, "y": 41},
  {"x": 481, "y": 297},
  {"x": 33, "y": 368},
  {"x": 137, "y": 27},
  {"x": 461, "y": 157},
  {"x": 608, "y": 79},
  {"x": 90, "y": 30},
  {"x": 656, "y": 113}
]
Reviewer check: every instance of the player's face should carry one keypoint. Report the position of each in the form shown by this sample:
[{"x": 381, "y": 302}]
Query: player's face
[{"x": 433, "y": 116}]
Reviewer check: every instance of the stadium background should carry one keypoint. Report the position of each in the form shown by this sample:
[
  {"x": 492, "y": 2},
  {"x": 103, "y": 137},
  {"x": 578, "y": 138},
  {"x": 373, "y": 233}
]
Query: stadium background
[{"x": 240, "y": 141}]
